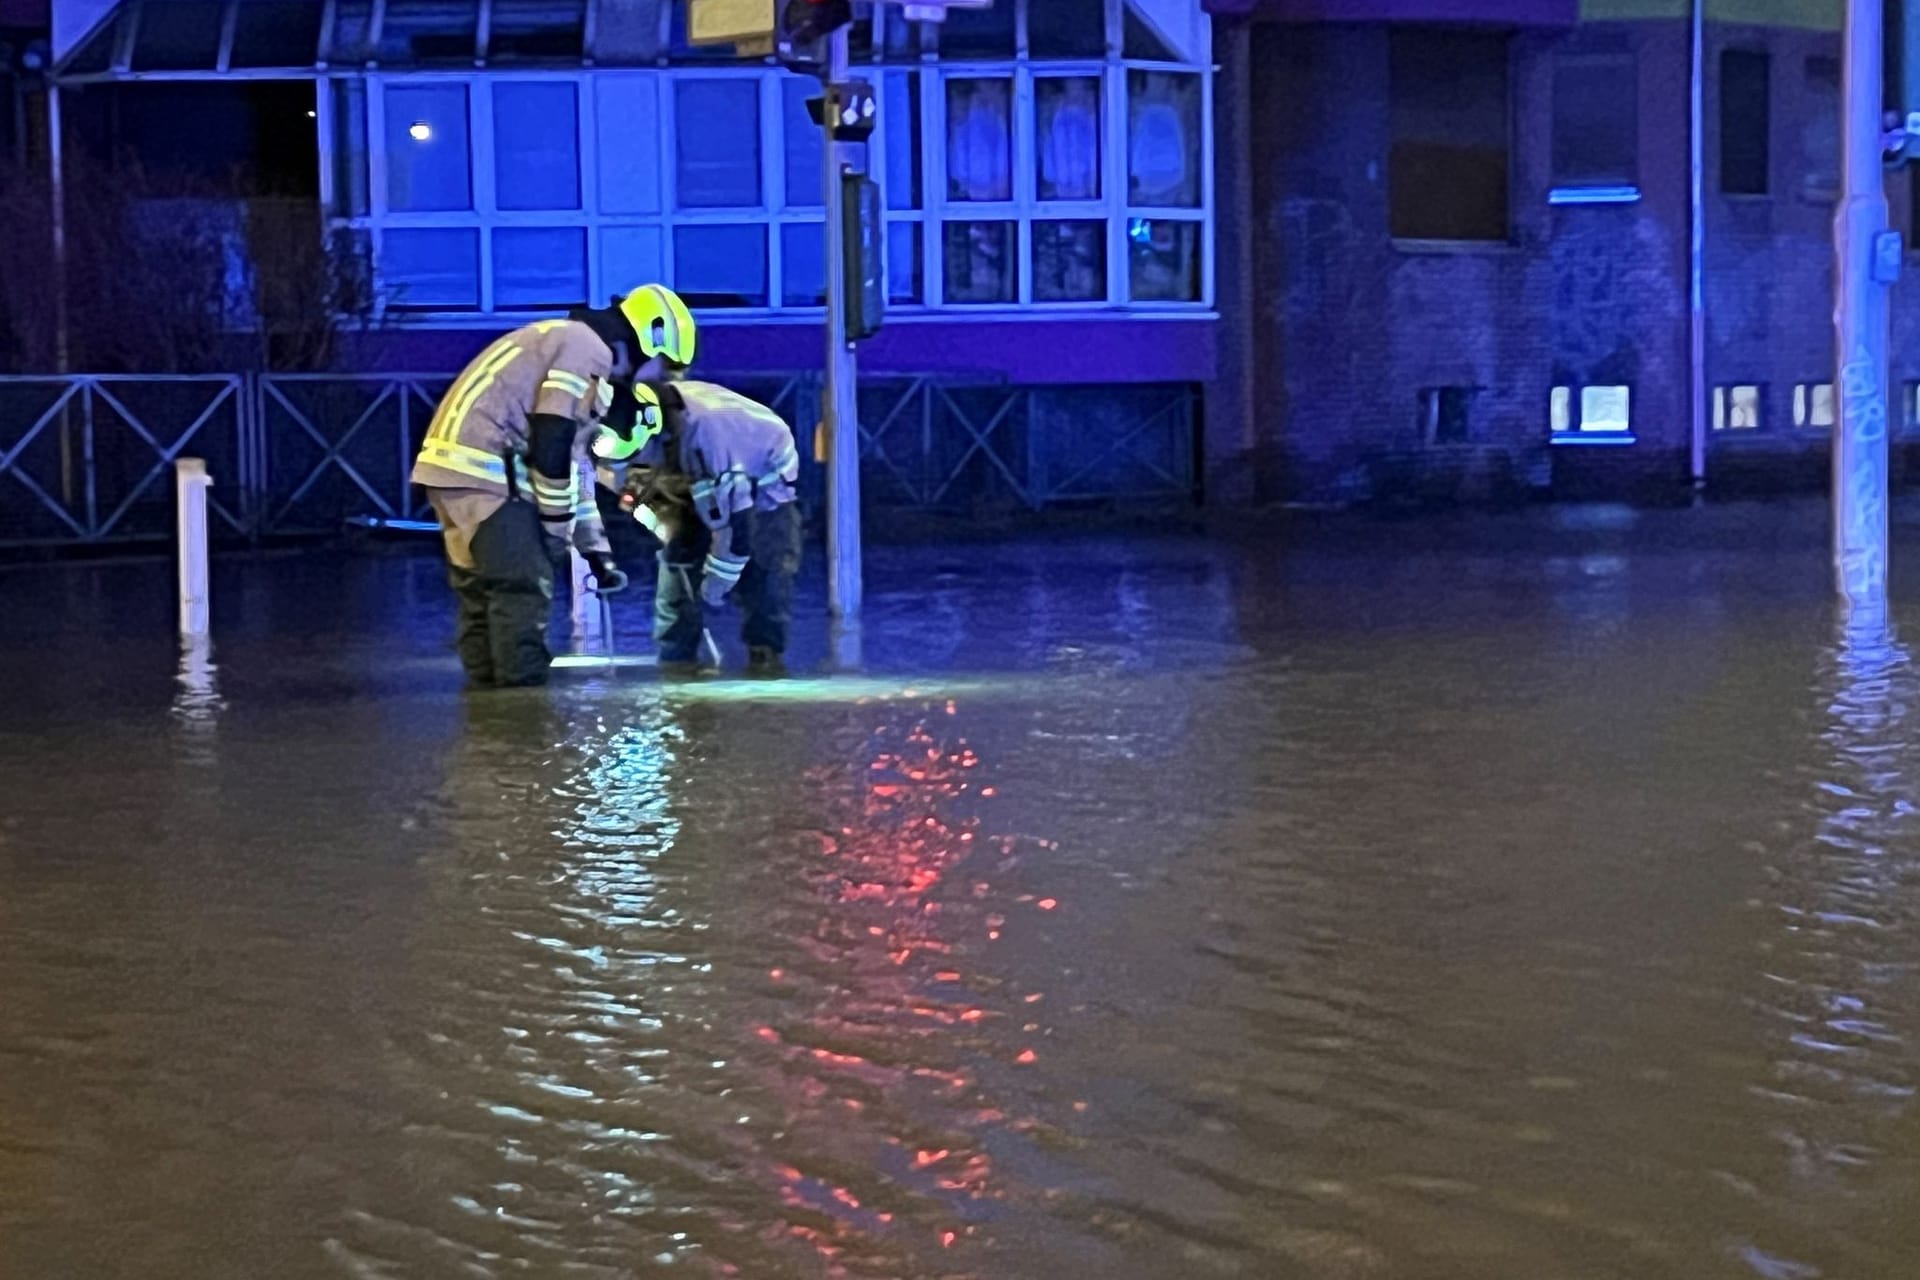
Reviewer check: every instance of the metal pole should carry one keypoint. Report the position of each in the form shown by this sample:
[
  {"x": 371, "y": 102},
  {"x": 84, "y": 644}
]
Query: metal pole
[
  {"x": 1697, "y": 251},
  {"x": 1863, "y": 270},
  {"x": 842, "y": 406},
  {"x": 62, "y": 348}
]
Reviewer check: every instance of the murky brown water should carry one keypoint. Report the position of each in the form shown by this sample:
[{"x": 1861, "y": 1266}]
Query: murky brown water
[{"x": 1188, "y": 914}]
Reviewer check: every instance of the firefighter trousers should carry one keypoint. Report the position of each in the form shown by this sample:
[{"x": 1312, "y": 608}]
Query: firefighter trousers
[
  {"x": 501, "y": 571},
  {"x": 771, "y": 541}
]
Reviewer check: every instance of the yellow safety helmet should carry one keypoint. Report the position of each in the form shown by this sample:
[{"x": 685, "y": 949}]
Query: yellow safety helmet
[
  {"x": 661, "y": 322},
  {"x": 611, "y": 444}
]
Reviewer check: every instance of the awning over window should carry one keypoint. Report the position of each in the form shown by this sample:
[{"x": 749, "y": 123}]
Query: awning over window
[{"x": 191, "y": 39}]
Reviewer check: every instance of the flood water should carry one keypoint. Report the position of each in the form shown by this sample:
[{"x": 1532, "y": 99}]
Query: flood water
[{"x": 1499, "y": 900}]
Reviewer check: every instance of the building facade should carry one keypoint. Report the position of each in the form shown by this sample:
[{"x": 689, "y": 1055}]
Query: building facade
[
  {"x": 1236, "y": 251},
  {"x": 1046, "y": 170},
  {"x": 1465, "y": 230}
]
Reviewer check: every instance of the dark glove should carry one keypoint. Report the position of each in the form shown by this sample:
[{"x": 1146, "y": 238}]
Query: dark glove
[{"x": 607, "y": 577}]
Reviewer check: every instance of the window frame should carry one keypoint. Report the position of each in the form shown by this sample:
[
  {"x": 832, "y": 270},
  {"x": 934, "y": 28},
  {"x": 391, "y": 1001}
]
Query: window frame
[
  {"x": 1768, "y": 158},
  {"x": 1510, "y": 106},
  {"x": 928, "y": 78},
  {"x": 1577, "y": 431},
  {"x": 1564, "y": 190}
]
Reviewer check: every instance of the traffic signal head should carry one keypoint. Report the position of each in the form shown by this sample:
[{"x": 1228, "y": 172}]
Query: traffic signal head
[{"x": 805, "y": 22}]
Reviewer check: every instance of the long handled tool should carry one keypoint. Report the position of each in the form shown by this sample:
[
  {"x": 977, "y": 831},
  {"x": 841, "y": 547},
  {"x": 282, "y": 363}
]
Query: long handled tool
[
  {"x": 707, "y": 645},
  {"x": 606, "y": 626}
]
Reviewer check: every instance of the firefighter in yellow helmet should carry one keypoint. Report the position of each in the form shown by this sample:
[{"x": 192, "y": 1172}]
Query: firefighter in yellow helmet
[{"x": 507, "y": 469}]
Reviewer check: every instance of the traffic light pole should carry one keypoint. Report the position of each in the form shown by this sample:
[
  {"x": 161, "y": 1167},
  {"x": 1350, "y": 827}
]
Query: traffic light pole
[
  {"x": 1863, "y": 273},
  {"x": 841, "y": 418}
]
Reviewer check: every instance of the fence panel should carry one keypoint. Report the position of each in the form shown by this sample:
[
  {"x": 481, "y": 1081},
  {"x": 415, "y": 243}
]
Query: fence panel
[
  {"x": 89, "y": 458},
  {"x": 340, "y": 446}
]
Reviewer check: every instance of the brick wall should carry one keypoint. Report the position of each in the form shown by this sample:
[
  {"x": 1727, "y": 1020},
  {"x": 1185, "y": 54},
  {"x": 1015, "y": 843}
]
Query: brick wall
[{"x": 1349, "y": 326}]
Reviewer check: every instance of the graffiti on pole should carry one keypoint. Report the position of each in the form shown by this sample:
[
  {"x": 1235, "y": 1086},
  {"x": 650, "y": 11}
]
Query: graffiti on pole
[{"x": 1863, "y": 420}]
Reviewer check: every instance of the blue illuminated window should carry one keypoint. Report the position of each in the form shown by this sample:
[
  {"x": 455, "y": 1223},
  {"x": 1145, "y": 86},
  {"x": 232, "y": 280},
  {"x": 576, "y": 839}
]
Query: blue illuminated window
[
  {"x": 806, "y": 172},
  {"x": 626, "y": 148},
  {"x": 629, "y": 258},
  {"x": 424, "y": 269},
  {"x": 539, "y": 267},
  {"x": 724, "y": 266},
  {"x": 803, "y": 264},
  {"x": 429, "y": 165},
  {"x": 717, "y": 143},
  {"x": 536, "y": 145}
]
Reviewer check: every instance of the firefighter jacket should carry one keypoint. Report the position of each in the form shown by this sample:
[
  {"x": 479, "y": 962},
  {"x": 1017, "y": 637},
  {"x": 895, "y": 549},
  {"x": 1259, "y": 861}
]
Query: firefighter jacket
[
  {"x": 737, "y": 456},
  {"x": 478, "y": 439}
]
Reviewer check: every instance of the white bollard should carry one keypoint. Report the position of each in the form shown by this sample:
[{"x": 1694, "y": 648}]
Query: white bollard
[{"x": 192, "y": 482}]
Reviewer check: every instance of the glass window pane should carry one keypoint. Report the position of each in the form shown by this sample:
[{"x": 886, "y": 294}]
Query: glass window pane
[
  {"x": 1140, "y": 41},
  {"x": 1069, "y": 261},
  {"x": 806, "y": 167},
  {"x": 1820, "y": 129},
  {"x": 1449, "y": 163},
  {"x": 539, "y": 267},
  {"x": 352, "y": 30},
  {"x": 803, "y": 264},
  {"x": 1163, "y": 139},
  {"x": 536, "y": 145},
  {"x": 277, "y": 33},
  {"x": 1164, "y": 260},
  {"x": 978, "y": 33},
  {"x": 1595, "y": 120},
  {"x": 1067, "y": 138},
  {"x": 1745, "y": 121},
  {"x": 1605, "y": 409},
  {"x": 627, "y": 120},
  {"x": 630, "y": 257},
  {"x": 427, "y": 154},
  {"x": 431, "y": 268},
  {"x": 539, "y": 30},
  {"x": 1067, "y": 29},
  {"x": 982, "y": 264},
  {"x": 720, "y": 266},
  {"x": 900, "y": 118},
  {"x": 182, "y": 36},
  {"x": 349, "y": 147},
  {"x": 1560, "y": 410},
  {"x": 979, "y": 140},
  {"x": 904, "y": 262},
  {"x": 428, "y": 31},
  {"x": 717, "y": 146}
]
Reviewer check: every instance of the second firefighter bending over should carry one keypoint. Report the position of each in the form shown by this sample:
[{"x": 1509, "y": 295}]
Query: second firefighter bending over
[{"x": 714, "y": 478}]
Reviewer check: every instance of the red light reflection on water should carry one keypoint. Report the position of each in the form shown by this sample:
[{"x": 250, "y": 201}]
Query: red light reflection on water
[{"x": 898, "y": 870}]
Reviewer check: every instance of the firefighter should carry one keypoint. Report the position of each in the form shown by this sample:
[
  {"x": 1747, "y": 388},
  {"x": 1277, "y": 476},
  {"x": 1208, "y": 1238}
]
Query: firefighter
[
  {"x": 506, "y": 468},
  {"x": 715, "y": 482}
]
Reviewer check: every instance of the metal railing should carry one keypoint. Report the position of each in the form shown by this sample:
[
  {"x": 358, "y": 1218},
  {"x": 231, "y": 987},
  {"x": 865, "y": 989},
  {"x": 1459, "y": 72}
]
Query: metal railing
[
  {"x": 928, "y": 443},
  {"x": 82, "y": 457}
]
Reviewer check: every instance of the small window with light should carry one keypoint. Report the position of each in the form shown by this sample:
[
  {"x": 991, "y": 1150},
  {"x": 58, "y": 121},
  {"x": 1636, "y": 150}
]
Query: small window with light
[
  {"x": 1591, "y": 415},
  {"x": 1813, "y": 405},
  {"x": 1736, "y": 407}
]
